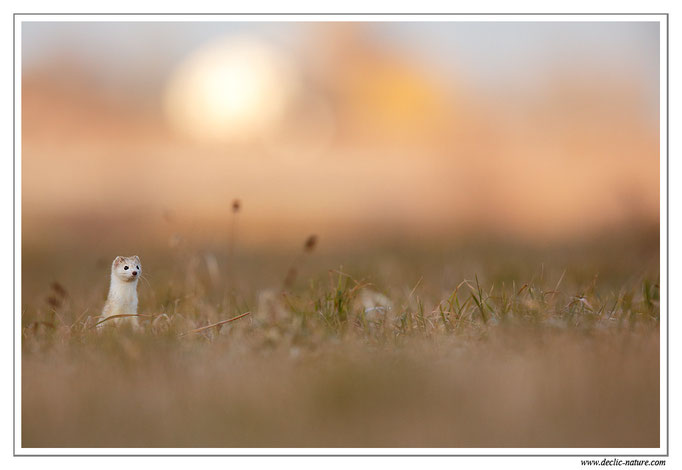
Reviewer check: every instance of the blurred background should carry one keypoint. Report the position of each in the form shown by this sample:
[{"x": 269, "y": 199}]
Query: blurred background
[{"x": 533, "y": 131}]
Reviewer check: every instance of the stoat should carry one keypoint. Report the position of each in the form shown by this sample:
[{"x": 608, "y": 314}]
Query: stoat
[{"x": 122, "y": 298}]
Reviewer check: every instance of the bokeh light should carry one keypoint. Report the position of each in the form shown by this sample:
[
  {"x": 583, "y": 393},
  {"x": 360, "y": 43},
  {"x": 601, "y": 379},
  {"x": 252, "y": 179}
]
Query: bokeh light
[{"x": 234, "y": 88}]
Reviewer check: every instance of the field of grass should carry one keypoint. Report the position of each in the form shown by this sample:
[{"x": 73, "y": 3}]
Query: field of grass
[{"x": 461, "y": 344}]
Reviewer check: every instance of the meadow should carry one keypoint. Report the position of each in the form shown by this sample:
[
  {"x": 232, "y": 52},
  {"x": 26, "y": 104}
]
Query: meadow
[{"x": 387, "y": 343}]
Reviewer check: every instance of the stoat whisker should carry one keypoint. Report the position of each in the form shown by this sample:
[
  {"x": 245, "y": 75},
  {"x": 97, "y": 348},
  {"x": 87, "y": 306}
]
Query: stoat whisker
[{"x": 144, "y": 278}]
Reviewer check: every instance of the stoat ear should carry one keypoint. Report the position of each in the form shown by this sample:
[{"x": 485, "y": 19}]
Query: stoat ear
[
  {"x": 118, "y": 260},
  {"x": 137, "y": 258}
]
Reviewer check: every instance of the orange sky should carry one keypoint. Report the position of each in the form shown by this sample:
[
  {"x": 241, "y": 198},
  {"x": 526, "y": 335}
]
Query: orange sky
[{"x": 372, "y": 138}]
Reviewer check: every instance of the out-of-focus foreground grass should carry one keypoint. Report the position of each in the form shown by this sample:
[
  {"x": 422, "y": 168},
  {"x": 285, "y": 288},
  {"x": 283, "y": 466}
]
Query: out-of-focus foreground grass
[{"x": 457, "y": 345}]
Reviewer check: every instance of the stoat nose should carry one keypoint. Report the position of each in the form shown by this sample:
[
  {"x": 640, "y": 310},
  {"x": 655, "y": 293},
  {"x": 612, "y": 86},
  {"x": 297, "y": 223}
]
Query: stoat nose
[{"x": 134, "y": 273}]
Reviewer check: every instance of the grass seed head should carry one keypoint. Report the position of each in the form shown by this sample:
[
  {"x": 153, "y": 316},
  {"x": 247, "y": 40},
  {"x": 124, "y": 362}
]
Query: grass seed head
[
  {"x": 310, "y": 243},
  {"x": 58, "y": 289},
  {"x": 53, "y": 302}
]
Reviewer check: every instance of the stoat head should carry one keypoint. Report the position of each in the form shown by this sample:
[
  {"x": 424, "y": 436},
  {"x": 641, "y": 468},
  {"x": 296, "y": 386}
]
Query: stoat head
[{"x": 127, "y": 268}]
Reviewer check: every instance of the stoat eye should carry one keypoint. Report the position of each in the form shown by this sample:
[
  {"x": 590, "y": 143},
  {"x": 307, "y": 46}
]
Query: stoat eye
[
  {"x": 125, "y": 268},
  {"x": 138, "y": 267}
]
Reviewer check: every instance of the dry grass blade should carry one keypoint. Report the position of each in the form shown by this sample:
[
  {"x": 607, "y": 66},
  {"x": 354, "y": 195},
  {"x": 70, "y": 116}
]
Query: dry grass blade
[
  {"x": 415, "y": 287},
  {"x": 123, "y": 315},
  {"x": 80, "y": 317},
  {"x": 197, "y": 330},
  {"x": 556, "y": 289}
]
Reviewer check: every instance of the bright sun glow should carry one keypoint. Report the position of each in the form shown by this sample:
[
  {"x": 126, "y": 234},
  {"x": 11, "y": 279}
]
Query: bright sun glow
[{"x": 230, "y": 89}]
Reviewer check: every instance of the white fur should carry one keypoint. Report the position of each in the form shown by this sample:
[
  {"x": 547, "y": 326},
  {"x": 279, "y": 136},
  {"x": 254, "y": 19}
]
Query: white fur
[{"x": 122, "y": 298}]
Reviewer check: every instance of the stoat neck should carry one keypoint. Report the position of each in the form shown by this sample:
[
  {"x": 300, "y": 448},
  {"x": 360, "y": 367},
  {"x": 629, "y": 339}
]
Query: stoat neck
[{"x": 120, "y": 287}]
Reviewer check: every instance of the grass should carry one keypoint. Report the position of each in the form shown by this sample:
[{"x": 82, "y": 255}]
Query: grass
[{"x": 455, "y": 345}]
